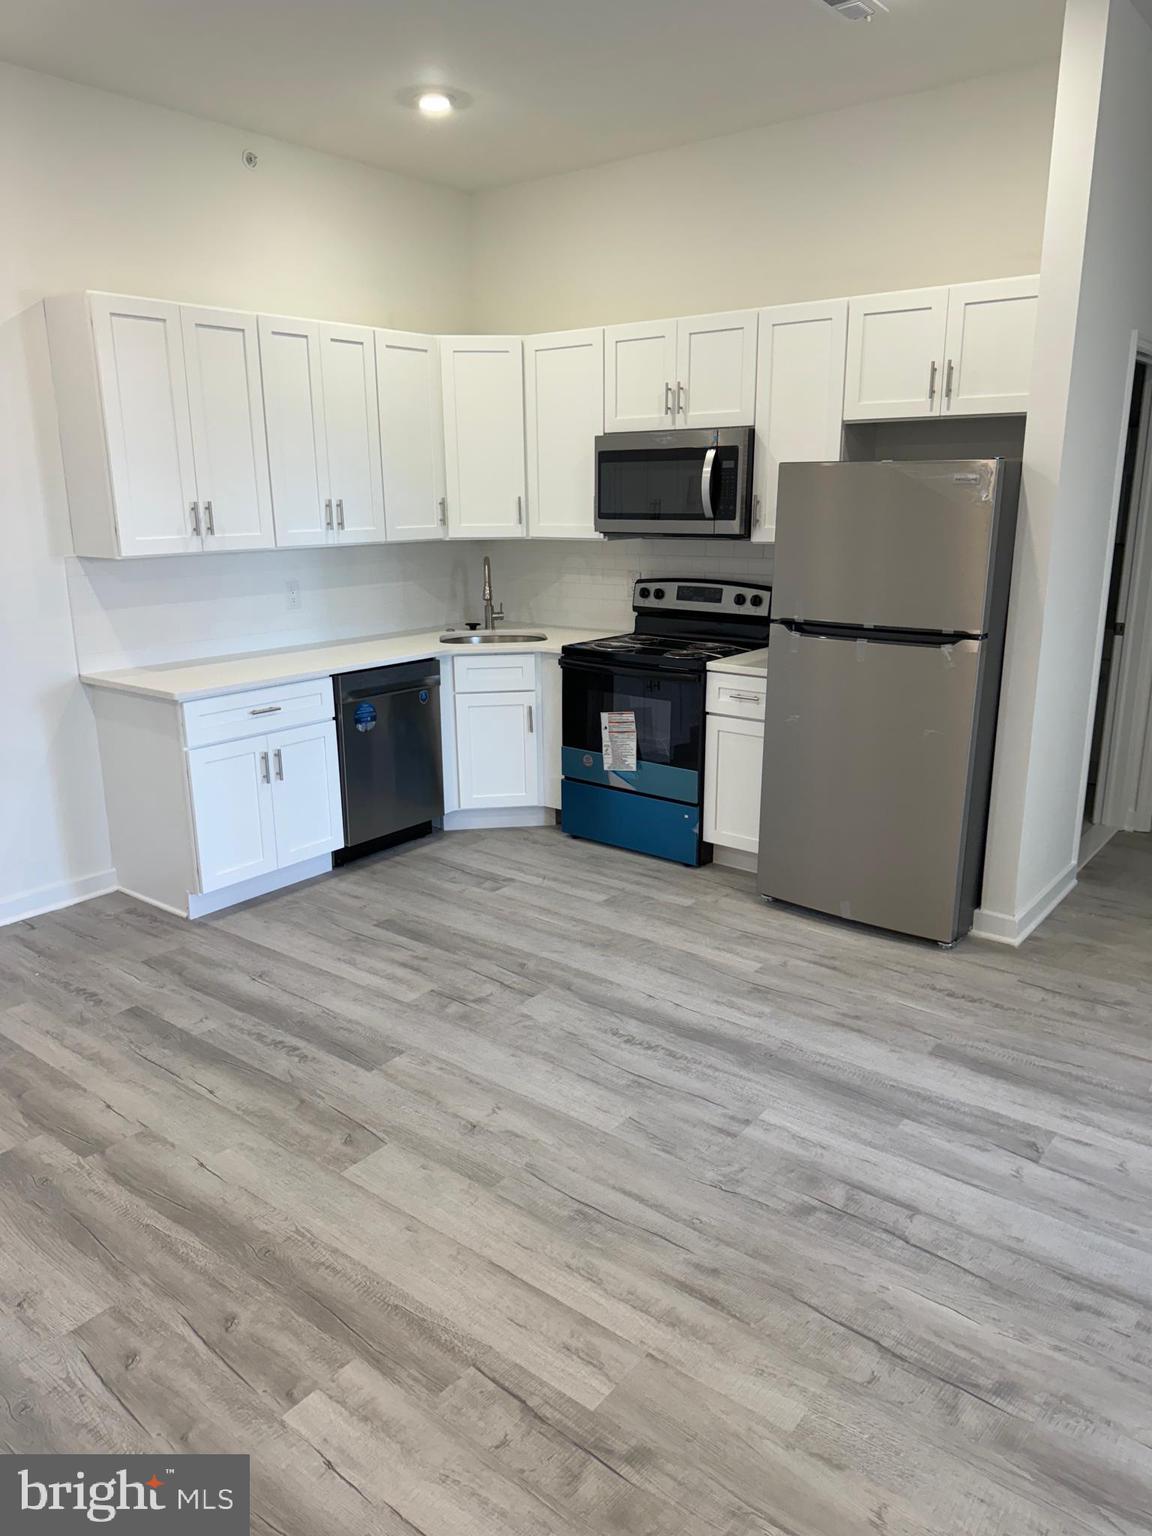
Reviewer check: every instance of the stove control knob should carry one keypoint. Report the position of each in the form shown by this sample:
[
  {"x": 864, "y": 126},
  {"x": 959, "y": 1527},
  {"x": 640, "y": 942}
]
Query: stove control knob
[
  {"x": 740, "y": 599},
  {"x": 658, "y": 593},
  {"x": 757, "y": 600},
  {"x": 645, "y": 592}
]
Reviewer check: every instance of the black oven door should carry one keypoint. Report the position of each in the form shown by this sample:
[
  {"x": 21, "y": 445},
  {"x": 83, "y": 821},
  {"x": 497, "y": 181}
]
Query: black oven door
[
  {"x": 668, "y": 708},
  {"x": 694, "y": 483}
]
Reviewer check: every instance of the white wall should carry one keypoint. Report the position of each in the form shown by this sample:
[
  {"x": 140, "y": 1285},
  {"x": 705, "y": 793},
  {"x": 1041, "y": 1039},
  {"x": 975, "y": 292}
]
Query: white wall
[
  {"x": 942, "y": 186},
  {"x": 1097, "y": 286},
  {"x": 98, "y": 191}
]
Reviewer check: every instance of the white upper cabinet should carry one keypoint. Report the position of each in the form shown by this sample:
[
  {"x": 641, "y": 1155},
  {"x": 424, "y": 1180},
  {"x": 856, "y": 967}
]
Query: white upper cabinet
[
  {"x": 564, "y": 390},
  {"x": 226, "y": 403},
  {"x": 352, "y": 431},
  {"x": 896, "y": 355},
  {"x": 991, "y": 333},
  {"x": 799, "y": 396},
  {"x": 482, "y": 379},
  {"x": 640, "y": 377},
  {"x": 297, "y": 445},
  {"x": 411, "y": 435},
  {"x": 716, "y": 370}
]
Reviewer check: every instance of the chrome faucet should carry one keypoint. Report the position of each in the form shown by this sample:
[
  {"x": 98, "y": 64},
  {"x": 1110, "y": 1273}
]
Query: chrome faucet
[{"x": 490, "y": 614}]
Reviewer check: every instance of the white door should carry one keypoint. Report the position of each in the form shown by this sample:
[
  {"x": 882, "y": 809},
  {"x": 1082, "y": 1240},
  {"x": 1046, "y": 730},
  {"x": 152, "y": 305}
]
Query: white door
[
  {"x": 799, "y": 396},
  {"x": 640, "y": 377},
  {"x": 352, "y": 429},
  {"x": 896, "y": 355},
  {"x": 226, "y": 402},
  {"x": 411, "y": 435},
  {"x": 733, "y": 755},
  {"x": 991, "y": 336},
  {"x": 297, "y": 448},
  {"x": 564, "y": 389},
  {"x": 306, "y": 792},
  {"x": 482, "y": 379},
  {"x": 144, "y": 388},
  {"x": 496, "y": 750},
  {"x": 232, "y": 811},
  {"x": 716, "y": 370}
]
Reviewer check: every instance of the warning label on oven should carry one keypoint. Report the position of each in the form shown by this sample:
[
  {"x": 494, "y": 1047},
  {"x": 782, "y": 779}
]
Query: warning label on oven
[{"x": 618, "y": 738}]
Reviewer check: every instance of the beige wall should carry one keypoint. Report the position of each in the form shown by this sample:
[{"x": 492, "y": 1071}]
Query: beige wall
[{"x": 938, "y": 187}]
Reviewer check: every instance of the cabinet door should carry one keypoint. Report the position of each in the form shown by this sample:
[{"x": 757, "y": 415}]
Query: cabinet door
[
  {"x": 229, "y": 445},
  {"x": 411, "y": 435},
  {"x": 733, "y": 757},
  {"x": 483, "y": 388},
  {"x": 232, "y": 811},
  {"x": 306, "y": 792},
  {"x": 799, "y": 396},
  {"x": 352, "y": 430},
  {"x": 297, "y": 448},
  {"x": 640, "y": 377},
  {"x": 716, "y": 370},
  {"x": 991, "y": 333},
  {"x": 144, "y": 389},
  {"x": 896, "y": 355},
  {"x": 564, "y": 387},
  {"x": 496, "y": 750}
]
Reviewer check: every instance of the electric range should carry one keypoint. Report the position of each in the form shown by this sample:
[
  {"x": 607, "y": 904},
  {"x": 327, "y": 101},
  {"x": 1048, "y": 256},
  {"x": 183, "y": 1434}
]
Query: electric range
[{"x": 634, "y": 714}]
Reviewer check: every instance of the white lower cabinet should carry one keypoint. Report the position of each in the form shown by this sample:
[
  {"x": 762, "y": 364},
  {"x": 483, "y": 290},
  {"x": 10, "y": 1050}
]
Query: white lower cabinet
[
  {"x": 264, "y": 803},
  {"x": 734, "y": 750},
  {"x": 497, "y": 750}
]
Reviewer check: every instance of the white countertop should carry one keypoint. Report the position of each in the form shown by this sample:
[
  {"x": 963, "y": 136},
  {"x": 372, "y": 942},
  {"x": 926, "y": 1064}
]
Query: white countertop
[
  {"x": 742, "y": 665},
  {"x": 178, "y": 681}
]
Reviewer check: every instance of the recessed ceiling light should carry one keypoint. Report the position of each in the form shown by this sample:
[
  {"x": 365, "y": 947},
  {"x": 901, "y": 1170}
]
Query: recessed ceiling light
[
  {"x": 434, "y": 100},
  {"x": 435, "y": 104}
]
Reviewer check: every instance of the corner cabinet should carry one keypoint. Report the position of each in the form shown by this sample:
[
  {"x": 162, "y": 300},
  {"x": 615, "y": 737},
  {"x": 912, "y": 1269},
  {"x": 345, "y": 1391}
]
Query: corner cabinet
[
  {"x": 961, "y": 351},
  {"x": 482, "y": 381},
  {"x": 497, "y": 710},
  {"x": 564, "y": 401}
]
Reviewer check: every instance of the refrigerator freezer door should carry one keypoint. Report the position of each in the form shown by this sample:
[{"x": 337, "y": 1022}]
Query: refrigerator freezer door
[
  {"x": 867, "y": 768},
  {"x": 890, "y": 546}
]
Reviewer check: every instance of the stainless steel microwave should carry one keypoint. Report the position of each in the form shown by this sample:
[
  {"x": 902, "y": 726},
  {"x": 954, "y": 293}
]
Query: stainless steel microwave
[{"x": 692, "y": 483}]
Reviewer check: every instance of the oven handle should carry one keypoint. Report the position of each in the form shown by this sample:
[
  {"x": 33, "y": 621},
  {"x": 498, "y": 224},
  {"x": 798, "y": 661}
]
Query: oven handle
[
  {"x": 706, "y": 485},
  {"x": 571, "y": 664}
]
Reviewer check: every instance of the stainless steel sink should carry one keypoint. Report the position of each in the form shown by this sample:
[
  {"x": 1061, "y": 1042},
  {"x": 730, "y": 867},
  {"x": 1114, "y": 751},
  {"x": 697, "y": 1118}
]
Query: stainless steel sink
[{"x": 489, "y": 637}]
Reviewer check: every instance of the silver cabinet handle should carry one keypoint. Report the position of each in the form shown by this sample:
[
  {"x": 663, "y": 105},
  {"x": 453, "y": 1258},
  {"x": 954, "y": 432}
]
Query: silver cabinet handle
[
  {"x": 680, "y": 405},
  {"x": 668, "y": 411},
  {"x": 519, "y": 509},
  {"x": 706, "y": 485},
  {"x": 264, "y": 773},
  {"x": 340, "y": 514},
  {"x": 949, "y": 380},
  {"x": 442, "y": 504},
  {"x": 209, "y": 520},
  {"x": 278, "y": 758},
  {"x": 194, "y": 513},
  {"x": 932, "y": 380},
  {"x": 530, "y": 725},
  {"x": 328, "y": 514},
  {"x": 267, "y": 709}
]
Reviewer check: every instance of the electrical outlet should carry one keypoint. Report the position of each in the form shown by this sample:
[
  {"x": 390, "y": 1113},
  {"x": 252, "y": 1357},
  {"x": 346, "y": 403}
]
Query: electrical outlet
[{"x": 293, "y": 590}]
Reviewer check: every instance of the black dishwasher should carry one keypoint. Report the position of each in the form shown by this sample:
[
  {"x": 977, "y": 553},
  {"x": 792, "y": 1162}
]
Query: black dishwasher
[{"x": 391, "y": 768}]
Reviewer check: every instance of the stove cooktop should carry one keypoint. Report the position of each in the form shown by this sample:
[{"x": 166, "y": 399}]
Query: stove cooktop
[{"x": 665, "y": 646}]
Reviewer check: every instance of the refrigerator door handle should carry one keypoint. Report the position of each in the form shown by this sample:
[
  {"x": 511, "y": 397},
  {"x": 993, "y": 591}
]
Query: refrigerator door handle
[{"x": 706, "y": 485}]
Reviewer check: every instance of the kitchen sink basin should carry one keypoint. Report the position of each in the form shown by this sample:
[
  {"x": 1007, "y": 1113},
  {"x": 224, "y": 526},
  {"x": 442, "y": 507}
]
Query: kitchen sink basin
[{"x": 489, "y": 637}]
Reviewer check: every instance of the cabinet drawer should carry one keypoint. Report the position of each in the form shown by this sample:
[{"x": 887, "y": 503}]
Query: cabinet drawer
[
  {"x": 494, "y": 673},
  {"x": 256, "y": 711},
  {"x": 736, "y": 696}
]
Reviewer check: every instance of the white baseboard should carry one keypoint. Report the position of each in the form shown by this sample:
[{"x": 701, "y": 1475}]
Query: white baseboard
[
  {"x": 476, "y": 821},
  {"x": 260, "y": 885},
  {"x": 50, "y": 898},
  {"x": 735, "y": 858},
  {"x": 1003, "y": 928}
]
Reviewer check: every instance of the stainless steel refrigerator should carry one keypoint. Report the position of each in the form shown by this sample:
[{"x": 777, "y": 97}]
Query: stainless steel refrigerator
[{"x": 889, "y": 607}]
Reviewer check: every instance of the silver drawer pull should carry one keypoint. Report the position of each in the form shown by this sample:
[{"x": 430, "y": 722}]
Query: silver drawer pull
[
  {"x": 745, "y": 698},
  {"x": 267, "y": 709}
]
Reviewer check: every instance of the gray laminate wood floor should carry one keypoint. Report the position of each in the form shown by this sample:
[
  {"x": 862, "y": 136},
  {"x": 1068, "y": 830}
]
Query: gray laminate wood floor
[{"x": 507, "y": 1185}]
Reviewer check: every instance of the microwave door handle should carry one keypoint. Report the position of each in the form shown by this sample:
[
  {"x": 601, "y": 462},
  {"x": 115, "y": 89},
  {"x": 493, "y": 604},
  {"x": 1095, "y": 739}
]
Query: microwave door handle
[{"x": 706, "y": 485}]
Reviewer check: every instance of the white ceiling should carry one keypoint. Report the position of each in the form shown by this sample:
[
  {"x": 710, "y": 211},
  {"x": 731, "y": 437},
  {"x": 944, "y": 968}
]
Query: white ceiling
[{"x": 557, "y": 84}]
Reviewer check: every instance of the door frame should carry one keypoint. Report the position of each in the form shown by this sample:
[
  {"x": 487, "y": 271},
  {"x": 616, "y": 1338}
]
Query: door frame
[{"x": 1123, "y": 798}]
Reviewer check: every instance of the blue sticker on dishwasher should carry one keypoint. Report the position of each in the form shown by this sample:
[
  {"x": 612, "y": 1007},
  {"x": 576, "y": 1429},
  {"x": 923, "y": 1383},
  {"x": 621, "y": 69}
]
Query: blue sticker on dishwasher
[
  {"x": 423, "y": 695},
  {"x": 364, "y": 717}
]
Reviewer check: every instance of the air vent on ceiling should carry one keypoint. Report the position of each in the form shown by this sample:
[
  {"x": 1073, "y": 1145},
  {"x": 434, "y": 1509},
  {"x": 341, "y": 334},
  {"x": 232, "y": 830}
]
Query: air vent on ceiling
[{"x": 856, "y": 10}]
